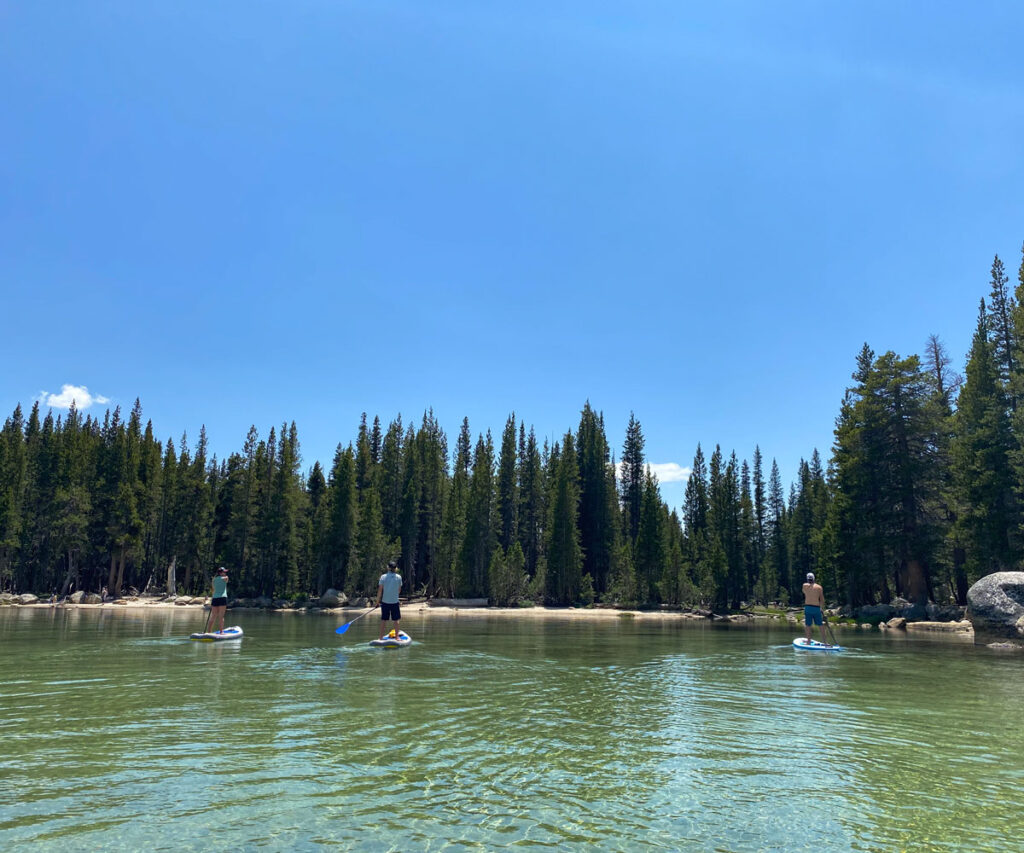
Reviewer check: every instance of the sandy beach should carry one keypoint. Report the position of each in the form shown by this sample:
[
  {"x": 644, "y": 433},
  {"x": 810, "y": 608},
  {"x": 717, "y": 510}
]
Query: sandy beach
[{"x": 454, "y": 608}]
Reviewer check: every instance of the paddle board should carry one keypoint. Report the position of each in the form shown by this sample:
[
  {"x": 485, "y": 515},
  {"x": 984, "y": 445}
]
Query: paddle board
[
  {"x": 391, "y": 641},
  {"x": 814, "y": 645},
  {"x": 233, "y": 633}
]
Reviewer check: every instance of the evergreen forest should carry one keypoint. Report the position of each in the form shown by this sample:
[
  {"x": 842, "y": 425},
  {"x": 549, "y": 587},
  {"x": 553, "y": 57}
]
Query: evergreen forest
[{"x": 922, "y": 494}]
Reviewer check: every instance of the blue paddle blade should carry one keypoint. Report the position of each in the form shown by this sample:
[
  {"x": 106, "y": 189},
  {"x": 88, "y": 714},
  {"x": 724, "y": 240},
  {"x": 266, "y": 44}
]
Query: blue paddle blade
[{"x": 341, "y": 629}]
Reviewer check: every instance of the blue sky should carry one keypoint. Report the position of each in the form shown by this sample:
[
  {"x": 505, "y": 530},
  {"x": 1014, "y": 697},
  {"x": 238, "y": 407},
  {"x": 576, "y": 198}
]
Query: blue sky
[{"x": 251, "y": 212}]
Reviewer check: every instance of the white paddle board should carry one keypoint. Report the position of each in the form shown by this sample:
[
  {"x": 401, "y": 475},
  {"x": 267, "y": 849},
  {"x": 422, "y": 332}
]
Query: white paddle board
[
  {"x": 233, "y": 633},
  {"x": 391, "y": 641},
  {"x": 814, "y": 645}
]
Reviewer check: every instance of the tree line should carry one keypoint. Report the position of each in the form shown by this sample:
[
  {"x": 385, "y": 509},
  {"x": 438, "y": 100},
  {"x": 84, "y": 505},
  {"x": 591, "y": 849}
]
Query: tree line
[{"x": 923, "y": 493}]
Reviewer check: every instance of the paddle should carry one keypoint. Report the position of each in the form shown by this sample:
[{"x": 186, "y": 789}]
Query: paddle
[
  {"x": 833, "y": 636},
  {"x": 341, "y": 629}
]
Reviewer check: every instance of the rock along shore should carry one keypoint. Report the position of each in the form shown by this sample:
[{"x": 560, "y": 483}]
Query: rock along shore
[{"x": 959, "y": 629}]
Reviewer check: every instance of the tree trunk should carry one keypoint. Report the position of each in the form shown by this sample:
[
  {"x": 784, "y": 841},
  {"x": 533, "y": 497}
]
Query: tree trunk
[
  {"x": 70, "y": 576},
  {"x": 172, "y": 586},
  {"x": 960, "y": 574},
  {"x": 914, "y": 581},
  {"x": 115, "y": 590},
  {"x": 112, "y": 575}
]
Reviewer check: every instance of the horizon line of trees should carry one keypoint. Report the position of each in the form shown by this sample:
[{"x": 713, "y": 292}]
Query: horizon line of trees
[{"x": 922, "y": 495}]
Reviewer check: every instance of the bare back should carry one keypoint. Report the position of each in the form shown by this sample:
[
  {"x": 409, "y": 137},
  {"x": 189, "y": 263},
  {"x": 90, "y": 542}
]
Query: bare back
[{"x": 814, "y": 595}]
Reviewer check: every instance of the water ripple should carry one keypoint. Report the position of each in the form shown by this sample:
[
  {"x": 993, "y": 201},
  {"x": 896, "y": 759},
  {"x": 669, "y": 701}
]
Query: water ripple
[{"x": 489, "y": 737}]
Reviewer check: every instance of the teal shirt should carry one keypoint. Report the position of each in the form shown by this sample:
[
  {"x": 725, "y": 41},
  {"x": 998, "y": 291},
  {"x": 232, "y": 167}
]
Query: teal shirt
[
  {"x": 220, "y": 586},
  {"x": 391, "y": 583}
]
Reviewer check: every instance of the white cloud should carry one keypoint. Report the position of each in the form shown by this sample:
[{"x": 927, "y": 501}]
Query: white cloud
[
  {"x": 78, "y": 394},
  {"x": 666, "y": 472},
  {"x": 670, "y": 472}
]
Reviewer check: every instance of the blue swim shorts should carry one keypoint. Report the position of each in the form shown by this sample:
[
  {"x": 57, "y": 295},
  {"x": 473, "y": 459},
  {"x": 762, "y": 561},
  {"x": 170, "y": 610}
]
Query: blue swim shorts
[{"x": 812, "y": 614}]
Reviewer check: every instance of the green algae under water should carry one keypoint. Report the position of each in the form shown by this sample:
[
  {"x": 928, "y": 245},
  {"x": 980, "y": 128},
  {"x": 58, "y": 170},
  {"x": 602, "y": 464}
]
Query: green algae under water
[{"x": 494, "y": 732}]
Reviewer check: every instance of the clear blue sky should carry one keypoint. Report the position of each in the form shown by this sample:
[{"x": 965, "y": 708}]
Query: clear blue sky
[{"x": 250, "y": 212}]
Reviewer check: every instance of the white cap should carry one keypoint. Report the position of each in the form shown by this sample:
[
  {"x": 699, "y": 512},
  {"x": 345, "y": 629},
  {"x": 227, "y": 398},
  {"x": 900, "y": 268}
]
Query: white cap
[{"x": 810, "y": 576}]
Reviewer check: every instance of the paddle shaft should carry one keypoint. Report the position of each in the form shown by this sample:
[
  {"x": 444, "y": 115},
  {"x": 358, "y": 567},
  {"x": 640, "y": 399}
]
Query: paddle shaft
[
  {"x": 346, "y": 626},
  {"x": 833, "y": 636}
]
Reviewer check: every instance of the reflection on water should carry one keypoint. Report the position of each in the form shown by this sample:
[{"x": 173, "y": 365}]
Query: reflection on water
[{"x": 488, "y": 733}]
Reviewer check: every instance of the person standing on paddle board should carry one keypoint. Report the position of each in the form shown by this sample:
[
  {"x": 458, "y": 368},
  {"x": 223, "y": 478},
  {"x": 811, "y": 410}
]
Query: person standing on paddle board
[
  {"x": 388, "y": 587},
  {"x": 219, "y": 600},
  {"x": 814, "y": 607}
]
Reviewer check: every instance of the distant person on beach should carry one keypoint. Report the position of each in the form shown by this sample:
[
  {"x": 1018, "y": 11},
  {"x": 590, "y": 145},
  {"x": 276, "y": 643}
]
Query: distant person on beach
[
  {"x": 388, "y": 587},
  {"x": 219, "y": 601},
  {"x": 814, "y": 607}
]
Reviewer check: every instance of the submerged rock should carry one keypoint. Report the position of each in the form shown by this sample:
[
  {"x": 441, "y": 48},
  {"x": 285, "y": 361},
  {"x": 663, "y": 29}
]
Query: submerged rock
[
  {"x": 995, "y": 607},
  {"x": 963, "y": 627}
]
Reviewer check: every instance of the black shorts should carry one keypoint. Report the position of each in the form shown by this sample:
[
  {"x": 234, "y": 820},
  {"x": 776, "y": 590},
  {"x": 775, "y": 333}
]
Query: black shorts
[
  {"x": 390, "y": 611},
  {"x": 219, "y": 602}
]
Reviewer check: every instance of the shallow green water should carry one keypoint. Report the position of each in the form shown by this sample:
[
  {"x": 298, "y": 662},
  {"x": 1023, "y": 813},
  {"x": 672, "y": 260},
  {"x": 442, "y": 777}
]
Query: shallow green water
[{"x": 117, "y": 733}]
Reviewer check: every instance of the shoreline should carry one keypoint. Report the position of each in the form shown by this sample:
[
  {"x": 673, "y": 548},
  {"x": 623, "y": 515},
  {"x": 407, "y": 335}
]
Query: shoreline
[{"x": 451, "y": 608}]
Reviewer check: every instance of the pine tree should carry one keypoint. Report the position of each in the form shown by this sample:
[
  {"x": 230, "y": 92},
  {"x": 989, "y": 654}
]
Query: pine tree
[
  {"x": 676, "y": 586},
  {"x": 695, "y": 500},
  {"x": 365, "y": 466},
  {"x": 776, "y": 562},
  {"x": 375, "y": 441},
  {"x": 632, "y": 480},
  {"x": 13, "y": 471},
  {"x": 480, "y": 539},
  {"x": 392, "y": 478},
  {"x": 801, "y": 549},
  {"x": 532, "y": 506},
  {"x": 651, "y": 549},
  {"x": 372, "y": 547},
  {"x": 508, "y": 581},
  {"x": 564, "y": 577},
  {"x": 433, "y": 454},
  {"x": 999, "y": 320},
  {"x": 342, "y": 521},
  {"x": 981, "y": 450},
  {"x": 597, "y": 506},
  {"x": 409, "y": 527},
  {"x": 288, "y": 509},
  {"x": 453, "y": 522},
  {"x": 316, "y": 528},
  {"x": 885, "y": 467},
  {"x": 748, "y": 535},
  {"x": 946, "y": 383},
  {"x": 507, "y": 497},
  {"x": 760, "y": 502}
]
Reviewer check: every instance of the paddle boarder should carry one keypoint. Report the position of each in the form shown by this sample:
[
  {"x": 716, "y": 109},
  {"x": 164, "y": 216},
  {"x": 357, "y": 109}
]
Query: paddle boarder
[
  {"x": 814, "y": 607},
  {"x": 388, "y": 587},
  {"x": 219, "y": 600}
]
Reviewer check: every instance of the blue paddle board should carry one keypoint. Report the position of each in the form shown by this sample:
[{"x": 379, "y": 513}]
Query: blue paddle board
[
  {"x": 233, "y": 633},
  {"x": 393, "y": 642},
  {"x": 814, "y": 645}
]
